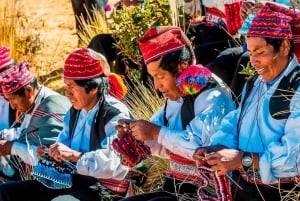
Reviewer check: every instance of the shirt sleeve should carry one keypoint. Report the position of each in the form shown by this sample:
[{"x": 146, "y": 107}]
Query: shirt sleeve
[
  {"x": 27, "y": 152},
  {"x": 210, "y": 107},
  {"x": 283, "y": 157},
  {"x": 104, "y": 163}
]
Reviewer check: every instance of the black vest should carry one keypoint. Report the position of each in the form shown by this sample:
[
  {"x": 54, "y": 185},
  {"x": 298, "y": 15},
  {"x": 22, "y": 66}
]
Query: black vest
[
  {"x": 104, "y": 114},
  {"x": 279, "y": 105}
]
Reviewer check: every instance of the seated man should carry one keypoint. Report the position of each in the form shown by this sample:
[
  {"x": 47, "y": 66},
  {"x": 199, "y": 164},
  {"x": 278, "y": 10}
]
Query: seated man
[
  {"x": 192, "y": 111},
  {"x": 259, "y": 141},
  {"x": 7, "y": 113},
  {"x": 88, "y": 129},
  {"x": 42, "y": 111}
]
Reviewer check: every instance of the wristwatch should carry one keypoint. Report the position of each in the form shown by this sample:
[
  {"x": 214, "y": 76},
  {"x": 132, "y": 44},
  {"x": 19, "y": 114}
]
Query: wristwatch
[{"x": 247, "y": 160}]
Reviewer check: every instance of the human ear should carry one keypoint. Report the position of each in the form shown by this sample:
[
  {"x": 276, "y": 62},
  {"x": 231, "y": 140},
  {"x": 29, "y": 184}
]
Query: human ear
[
  {"x": 285, "y": 47},
  {"x": 182, "y": 66}
]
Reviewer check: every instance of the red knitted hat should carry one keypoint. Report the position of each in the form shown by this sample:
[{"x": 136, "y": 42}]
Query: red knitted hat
[
  {"x": 15, "y": 78},
  {"x": 161, "y": 40},
  {"x": 85, "y": 63},
  {"x": 271, "y": 24},
  {"x": 5, "y": 59}
]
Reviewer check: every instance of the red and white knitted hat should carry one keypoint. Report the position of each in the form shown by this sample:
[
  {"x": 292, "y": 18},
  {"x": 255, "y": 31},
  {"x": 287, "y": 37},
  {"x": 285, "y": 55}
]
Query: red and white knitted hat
[
  {"x": 84, "y": 64},
  {"x": 15, "y": 78},
  {"x": 5, "y": 59},
  {"x": 161, "y": 40}
]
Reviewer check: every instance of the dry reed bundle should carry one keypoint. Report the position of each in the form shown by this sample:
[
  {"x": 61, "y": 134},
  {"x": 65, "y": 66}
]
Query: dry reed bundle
[{"x": 92, "y": 26}]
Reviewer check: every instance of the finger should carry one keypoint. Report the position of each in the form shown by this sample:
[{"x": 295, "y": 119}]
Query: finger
[
  {"x": 124, "y": 122},
  {"x": 212, "y": 155}
]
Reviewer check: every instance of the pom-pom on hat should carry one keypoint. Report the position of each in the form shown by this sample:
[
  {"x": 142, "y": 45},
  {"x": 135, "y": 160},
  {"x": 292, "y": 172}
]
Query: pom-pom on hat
[
  {"x": 5, "y": 59},
  {"x": 268, "y": 23},
  {"x": 85, "y": 63},
  {"x": 15, "y": 78},
  {"x": 161, "y": 40},
  {"x": 193, "y": 79}
]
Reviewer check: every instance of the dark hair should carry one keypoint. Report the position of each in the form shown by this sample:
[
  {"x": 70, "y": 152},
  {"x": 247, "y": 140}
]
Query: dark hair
[
  {"x": 102, "y": 83},
  {"x": 21, "y": 92},
  {"x": 276, "y": 43},
  {"x": 170, "y": 61}
]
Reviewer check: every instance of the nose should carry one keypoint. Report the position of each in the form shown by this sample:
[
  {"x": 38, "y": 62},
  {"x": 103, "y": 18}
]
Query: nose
[
  {"x": 253, "y": 60},
  {"x": 157, "y": 84}
]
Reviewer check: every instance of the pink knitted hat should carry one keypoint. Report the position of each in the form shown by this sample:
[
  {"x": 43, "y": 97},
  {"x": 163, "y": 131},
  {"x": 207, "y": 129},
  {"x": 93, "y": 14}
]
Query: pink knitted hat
[
  {"x": 15, "y": 78},
  {"x": 5, "y": 59}
]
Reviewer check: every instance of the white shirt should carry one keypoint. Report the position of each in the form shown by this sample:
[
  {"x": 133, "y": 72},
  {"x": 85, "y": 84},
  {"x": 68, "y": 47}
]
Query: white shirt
[{"x": 103, "y": 163}]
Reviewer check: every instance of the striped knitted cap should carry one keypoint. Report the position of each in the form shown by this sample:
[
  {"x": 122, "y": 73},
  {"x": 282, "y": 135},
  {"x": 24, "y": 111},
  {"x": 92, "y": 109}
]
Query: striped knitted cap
[
  {"x": 5, "y": 59},
  {"x": 85, "y": 63},
  {"x": 268, "y": 23},
  {"x": 15, "y": 78}
]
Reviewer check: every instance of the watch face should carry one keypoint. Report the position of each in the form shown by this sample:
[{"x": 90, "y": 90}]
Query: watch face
[{"x": 247, "y": 161}]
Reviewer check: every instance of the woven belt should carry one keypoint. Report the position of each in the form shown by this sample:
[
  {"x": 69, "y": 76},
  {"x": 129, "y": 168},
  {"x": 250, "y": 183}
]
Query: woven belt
[{"x": 281, "y": 180}]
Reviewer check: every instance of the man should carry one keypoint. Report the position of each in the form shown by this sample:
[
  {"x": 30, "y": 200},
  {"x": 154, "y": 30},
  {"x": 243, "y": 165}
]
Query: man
[
  {"x": 259, "y": 141},
  {"x": 42, "y": 111},
  {"x": 186, "y": 120},
  {"x": 88, "y": 129},
  {"x": 7, "y": 113}
]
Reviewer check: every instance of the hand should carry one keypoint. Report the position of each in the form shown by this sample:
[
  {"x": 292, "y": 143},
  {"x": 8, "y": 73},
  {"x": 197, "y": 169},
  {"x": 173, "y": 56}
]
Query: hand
[
  {"x": 41, "y": 150},
  {"x": 59, "y": 152},
  {"x": 201, "y": 152},
  {"x": 144, "y": 130},
  {"x": 123, "y": 126},
  {"x": 224, "y": 160},
  {"x": 250, "y": 7},
  {"x": 5, "y": 147},
  {"x": 245, "y": 8}
]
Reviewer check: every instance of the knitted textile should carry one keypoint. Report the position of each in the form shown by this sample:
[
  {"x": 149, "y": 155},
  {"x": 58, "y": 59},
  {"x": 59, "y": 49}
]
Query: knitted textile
[
  {"x": 193, "y": 79},
  {"x": 131, "y": 150},
  {"x": 221, "y": 182},
  {"x": 269, "y": 23},
  {"x": 5, "y": 59},
  {"x": 84, "y": 63},
  {"x": 233, "y": 18},
  {"x": 53, "y": 174},
  {"x": 15, "y": 78},
  {"x": 161, "y": 40}
]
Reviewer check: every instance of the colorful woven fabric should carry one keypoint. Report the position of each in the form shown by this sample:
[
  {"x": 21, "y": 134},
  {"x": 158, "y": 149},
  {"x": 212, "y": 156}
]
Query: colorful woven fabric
[
  {"x": 271, "y": 24},
  {"x": 215, "y": 17},
  {"x": 247, "y": 23},
  {"x": 233, "y": 17},
  {"x": 162, "y": 40},
  {"x": 15, "y": 78},
  {"x": 193, "y": 79},
  {"x": 221, "y": 182},
  {"x": 5, "y": 59}
]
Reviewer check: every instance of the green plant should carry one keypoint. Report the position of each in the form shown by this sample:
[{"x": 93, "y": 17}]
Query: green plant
[
  {"x": 131, "y": 23},
  {"x": 247, "y": 70}
]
